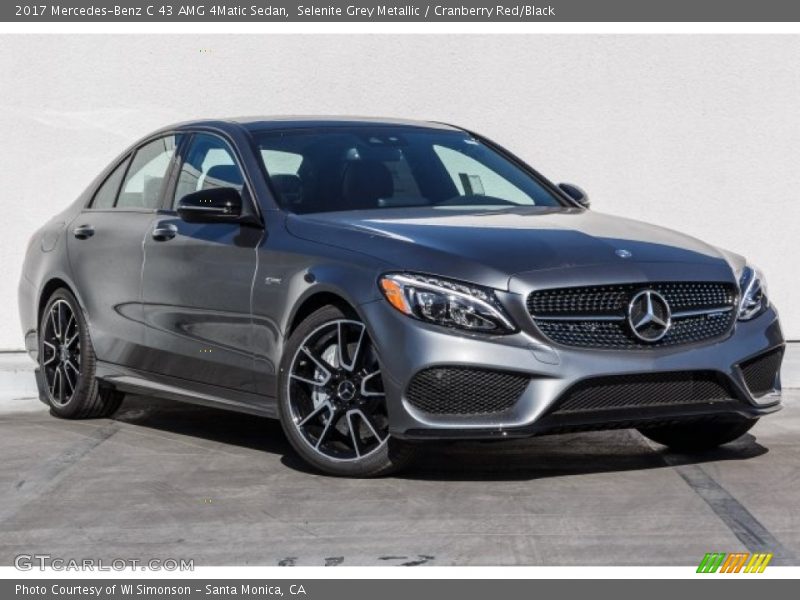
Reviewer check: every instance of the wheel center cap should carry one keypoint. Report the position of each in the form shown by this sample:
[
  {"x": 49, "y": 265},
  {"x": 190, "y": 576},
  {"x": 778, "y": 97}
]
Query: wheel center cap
[
  {"x": 63, "y": 354},
  {"x": 346, "y": 390}
]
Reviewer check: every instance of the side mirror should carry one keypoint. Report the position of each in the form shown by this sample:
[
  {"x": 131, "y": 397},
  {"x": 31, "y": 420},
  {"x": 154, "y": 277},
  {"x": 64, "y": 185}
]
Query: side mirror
[
  {"x": 576, "y": 193},
  {"x": 214, "y": 205}
]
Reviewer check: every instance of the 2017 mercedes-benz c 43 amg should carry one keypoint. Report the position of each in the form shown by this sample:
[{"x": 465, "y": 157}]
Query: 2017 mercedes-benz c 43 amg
[{"x": 377, "y": 283}]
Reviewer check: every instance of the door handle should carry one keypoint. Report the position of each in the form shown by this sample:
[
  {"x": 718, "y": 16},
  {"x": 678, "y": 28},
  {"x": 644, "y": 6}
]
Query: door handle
[
  {"x": 163, "y": 232},
  {"x": 83, "y": 232}
]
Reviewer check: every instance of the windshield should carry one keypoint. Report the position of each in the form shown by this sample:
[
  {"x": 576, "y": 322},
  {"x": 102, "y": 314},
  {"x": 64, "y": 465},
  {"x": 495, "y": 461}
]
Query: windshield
[{"x": 364, "y": 167}]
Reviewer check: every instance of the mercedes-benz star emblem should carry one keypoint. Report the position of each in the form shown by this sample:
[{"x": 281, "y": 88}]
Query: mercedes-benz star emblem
[
  {"x": 346, "y": 390},
  {"x": 649, "y": 316},
  {"x": 622, "y": 253}
]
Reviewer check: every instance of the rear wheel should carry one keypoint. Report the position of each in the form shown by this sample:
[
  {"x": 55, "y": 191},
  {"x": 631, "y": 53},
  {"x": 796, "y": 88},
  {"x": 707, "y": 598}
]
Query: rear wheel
[
  {"x": 332, "y": 402},
  {"x": 67, "y": 361},
  {"x": 699, "y": 436}
]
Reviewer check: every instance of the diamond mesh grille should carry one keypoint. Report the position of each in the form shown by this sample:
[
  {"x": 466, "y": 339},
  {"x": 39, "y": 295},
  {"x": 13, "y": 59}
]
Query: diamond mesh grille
[{"x": 580, "y": 316}]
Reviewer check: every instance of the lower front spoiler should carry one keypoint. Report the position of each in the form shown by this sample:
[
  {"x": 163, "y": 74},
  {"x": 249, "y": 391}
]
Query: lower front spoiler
[{"x": 600, "y": 420}]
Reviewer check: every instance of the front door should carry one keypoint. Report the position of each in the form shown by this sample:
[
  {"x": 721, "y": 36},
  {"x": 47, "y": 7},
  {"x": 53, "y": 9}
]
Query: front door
[{"x": 197, "y": 280}]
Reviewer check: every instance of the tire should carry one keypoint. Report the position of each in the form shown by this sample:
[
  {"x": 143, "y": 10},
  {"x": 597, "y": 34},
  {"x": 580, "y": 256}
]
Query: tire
[
  {"x": 698, "y": 436},
  {"x": 71, "y": 388},
  {"x": 339, "y": 428}
]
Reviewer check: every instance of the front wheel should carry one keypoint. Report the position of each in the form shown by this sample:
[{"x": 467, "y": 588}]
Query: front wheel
[
  {"x": 332, "y": 402},
  {"x": 699, "y": 436}
]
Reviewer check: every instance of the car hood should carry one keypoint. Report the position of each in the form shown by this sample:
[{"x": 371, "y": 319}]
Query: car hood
[{"x": 492, "y": 246}]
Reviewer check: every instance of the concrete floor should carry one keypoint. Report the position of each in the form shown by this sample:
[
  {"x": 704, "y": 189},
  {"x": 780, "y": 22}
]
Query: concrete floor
[{"x": 170, "y": 480}]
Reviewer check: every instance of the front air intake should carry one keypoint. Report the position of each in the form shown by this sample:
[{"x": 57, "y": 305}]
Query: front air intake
[
  {"x": 760, "y": 373},
  {"x": 643, "y": 391},
  {"x": 465, "y": 390}
]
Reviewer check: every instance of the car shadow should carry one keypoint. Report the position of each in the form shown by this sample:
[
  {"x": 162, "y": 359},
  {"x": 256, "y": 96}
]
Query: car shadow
[
  {"x": 563, "y": 455},
  {"x": 212, "y": 424},
  {"x": 534, "y": 458}
]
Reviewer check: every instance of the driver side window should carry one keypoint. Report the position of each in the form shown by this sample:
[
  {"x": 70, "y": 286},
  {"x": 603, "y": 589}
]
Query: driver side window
[{"x": 209, "y": 163}]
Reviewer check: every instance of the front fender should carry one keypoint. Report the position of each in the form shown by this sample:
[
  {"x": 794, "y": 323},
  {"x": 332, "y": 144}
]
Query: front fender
[{"x": 291, "y": 274}]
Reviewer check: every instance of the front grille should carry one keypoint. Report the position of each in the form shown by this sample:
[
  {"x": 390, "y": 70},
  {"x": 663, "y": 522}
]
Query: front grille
[
  {"x": 760, "y": 372},
  {"x": 465, "y": 390},
  {"x": 596, "y": 317},
  {"x": 643, "y": 391}
]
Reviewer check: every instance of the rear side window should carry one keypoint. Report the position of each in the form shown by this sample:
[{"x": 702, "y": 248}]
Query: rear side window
[
  {"x": 145, "y": 178},
  {"x": 106, "y": 195},
  {"x": 209, "y": 164}
]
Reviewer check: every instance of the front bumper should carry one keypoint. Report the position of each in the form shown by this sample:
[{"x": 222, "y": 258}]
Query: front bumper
[{"x": 408, "y": 347}]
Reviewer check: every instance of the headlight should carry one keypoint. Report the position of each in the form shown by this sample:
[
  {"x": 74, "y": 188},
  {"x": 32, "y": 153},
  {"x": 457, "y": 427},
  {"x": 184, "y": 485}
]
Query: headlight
[
  {"x": 444, "y": 302},
  {"x": 753, "y": 294}
]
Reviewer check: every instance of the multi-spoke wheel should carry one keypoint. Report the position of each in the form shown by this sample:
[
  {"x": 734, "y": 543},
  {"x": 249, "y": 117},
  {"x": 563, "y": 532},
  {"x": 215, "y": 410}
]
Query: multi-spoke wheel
[
  {"x": 333, "y": 405},
  {"x": 61, "y": 360},
  {"x": 67, "y": 362}
]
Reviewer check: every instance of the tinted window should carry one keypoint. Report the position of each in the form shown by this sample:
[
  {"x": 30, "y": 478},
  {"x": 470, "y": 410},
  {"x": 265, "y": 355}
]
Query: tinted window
[
  {"x": 365, "y": 167},
  {"x": 209, "y": 163},
  {"x": 142, "y": 186},
  {"x": 106, "y": 195}
]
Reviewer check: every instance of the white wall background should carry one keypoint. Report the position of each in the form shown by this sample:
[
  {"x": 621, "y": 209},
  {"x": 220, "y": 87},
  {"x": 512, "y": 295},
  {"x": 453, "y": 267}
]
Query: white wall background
[{"x": 699, "y": 133}]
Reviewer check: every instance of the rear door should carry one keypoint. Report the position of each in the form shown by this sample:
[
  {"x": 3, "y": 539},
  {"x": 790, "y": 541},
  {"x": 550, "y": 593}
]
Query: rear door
[
  {"x": 105, "y": 250},
  {"x": 197, "y": 281}
]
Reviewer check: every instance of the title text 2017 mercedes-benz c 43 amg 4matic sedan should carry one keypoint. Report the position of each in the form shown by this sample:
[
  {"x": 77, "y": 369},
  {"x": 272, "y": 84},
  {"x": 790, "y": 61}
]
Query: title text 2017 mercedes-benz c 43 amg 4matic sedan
[{"x": 377, "y": 283}]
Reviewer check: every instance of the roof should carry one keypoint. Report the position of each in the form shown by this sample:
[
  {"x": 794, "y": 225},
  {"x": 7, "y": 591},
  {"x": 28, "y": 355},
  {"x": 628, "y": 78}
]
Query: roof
[{"x": 258, "y": 123}]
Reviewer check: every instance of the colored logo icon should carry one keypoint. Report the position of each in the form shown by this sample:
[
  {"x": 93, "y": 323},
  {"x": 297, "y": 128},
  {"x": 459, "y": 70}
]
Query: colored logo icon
[{"x": 736, "y": 562}]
